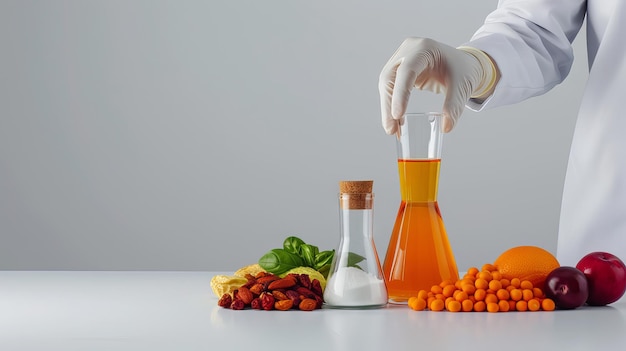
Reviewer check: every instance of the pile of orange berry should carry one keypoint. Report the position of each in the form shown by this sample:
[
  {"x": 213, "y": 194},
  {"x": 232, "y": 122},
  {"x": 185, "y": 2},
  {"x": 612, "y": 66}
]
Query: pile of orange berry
[{"x": 482, "y": 290}]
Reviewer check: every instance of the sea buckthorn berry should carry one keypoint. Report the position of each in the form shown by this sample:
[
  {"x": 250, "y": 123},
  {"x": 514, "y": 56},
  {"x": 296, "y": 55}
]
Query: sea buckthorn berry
[
  {"x": 548, "y": 304},
  {"x": 503, "y": 306},
  {"x": 445, "y": 283},
  {"x": 480, "y": 306},
  {"x": 505, "y": 282},
  {"x": 480, "y": 294},
  {"x": 488, "y": 267},
  {"x": 461, "y": 296},
  {"x": 467, "y": 305},
  {"x": 472, "y": 271},
  {"x": 512, "y": 305},
  {"x": 502, "y": 294},
  {"x": 537, "y": 292},
  {"x": 467, "y": 281},
  {"x": 516, "y": 282},
  {"x": 534, "y": 305},
  {"x": 521, "y": 305},
  {"x": 469, "y": 289},
  {"x": 492, "y": 307},
  {"x": 454, "y": 306},
  {"x": 495, "y": 275},
  {"x": 527, "y": 294},
  {"x": 481, "y": 283},
  {"x": 436, "y": 305},
  {"x": 484, "y": 275},
  {"x": 525, "y": 284},
  {"x": 491, "y": 298},
  {"x": 417, "y": 303},
  {"x": 430, "y": 300},
  {"x": 516, "y": 294},
  {"x": 436, "y": 289},
  {"x": 422, "y": 294},
  {"x": 495, "y": 285},
  {"x": 448, "y": 300},
  {"x": 448, "y": 290}
]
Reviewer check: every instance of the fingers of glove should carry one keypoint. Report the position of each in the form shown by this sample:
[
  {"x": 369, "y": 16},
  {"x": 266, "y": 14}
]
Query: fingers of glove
[
  {"x": 454, "y": 103},
  {"x": 448, "y": 122},
  {"x": 403, "y": 85},
  {"x": 386, "y": 82},
  {"x": 389, "y": 124},
  {"x": 394, "y": 86},
  {"x": 398, "y": 78}
]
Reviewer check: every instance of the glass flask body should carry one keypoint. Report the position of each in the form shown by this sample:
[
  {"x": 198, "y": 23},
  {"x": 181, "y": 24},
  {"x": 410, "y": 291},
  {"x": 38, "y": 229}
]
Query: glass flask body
[
  {"x": 355, "y": 279},
  {"x": 419, "y": 254}
]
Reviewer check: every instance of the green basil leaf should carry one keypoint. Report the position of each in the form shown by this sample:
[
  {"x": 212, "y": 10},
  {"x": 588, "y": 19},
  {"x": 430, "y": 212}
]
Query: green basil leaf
[
  {"x": 323, "y": 258},
  {"x": 278, "y": 261},
  {"x": 292, "y": 244},
  {"x": 308, "y": 252},
  {"x": 324, "y": 270},
  {"x": 353, "y": 259},
  {"x": 270, "y": 262},
  {"x": 290, "y": 259}
]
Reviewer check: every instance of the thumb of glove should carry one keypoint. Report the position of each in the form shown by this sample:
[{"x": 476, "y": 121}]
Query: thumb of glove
[{"x": 473, "y": 78}]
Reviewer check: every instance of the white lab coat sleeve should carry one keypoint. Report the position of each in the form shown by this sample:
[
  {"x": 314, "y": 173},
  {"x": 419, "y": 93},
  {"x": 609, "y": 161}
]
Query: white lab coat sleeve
[{"x": 530, "y": 42}]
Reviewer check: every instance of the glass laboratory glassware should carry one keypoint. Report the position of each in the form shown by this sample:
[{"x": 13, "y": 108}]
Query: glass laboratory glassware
[
  {"x": 419, "y": 254},
  {"x": 355, "y": 279}
]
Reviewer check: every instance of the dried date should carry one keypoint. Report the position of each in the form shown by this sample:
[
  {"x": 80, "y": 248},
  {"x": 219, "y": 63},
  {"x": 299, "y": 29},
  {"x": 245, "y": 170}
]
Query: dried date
[
  {"x": 255, "y": 304},
  {"x": 237, "y": 305},
  {"x": 267, "y": 301},
  {"x": 243, "y": 294},
  {"x": 305, "y": 281},
  {"x": 225, "y": 301},
  {"x": 307, "y": 305},
  {"x": 266, "y": 291},
  {"x": 283, "y": 305}
]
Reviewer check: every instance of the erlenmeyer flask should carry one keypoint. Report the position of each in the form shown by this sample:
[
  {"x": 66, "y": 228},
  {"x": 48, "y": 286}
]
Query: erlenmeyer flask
[
  {"x": 419, "y": 253},
  {"x": 355, "y": 279}
]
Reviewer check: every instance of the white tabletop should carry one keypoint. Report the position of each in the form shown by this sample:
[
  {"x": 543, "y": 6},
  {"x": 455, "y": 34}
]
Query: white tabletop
[{"x": 177, "y": 311}]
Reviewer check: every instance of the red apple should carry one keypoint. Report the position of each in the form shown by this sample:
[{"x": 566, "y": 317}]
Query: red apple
[
  {"x": 567, "y": 287},
  {"x": 606, "y": 277}
]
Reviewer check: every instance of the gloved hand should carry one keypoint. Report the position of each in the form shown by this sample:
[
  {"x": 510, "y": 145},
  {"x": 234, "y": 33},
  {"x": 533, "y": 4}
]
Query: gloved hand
[{"x": 427, "y": 64}]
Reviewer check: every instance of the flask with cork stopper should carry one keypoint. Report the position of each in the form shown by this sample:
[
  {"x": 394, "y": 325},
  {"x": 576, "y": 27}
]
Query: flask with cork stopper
[{"x": 356, "y": 279}]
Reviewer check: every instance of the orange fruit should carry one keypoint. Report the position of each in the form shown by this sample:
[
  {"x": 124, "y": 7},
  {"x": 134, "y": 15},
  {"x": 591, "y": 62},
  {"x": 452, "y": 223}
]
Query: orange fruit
[{"x": 530, "y": 263}]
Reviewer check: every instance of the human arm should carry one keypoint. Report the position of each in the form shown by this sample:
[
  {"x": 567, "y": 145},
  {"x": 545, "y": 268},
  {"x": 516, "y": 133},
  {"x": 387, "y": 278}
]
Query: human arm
[{"x": 528, "y": 43}]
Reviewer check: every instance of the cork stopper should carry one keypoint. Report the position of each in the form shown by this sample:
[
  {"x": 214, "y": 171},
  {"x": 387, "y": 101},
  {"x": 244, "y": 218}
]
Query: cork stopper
[{"x": 356, "y": 194}]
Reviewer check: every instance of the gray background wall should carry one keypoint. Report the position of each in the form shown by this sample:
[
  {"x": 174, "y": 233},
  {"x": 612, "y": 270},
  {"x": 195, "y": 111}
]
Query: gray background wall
[{"x": 196, "y": 135}]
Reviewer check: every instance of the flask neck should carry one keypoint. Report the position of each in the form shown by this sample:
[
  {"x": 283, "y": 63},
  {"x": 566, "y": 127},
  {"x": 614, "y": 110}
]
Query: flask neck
[
  {"x": 356, "y": 215},
  {"x": 362, "y": 201},
  {"x": 419, "y": 179}
]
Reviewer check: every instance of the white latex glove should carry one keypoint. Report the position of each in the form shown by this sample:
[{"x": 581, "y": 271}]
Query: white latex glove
[{"x": 426, "y": 64}]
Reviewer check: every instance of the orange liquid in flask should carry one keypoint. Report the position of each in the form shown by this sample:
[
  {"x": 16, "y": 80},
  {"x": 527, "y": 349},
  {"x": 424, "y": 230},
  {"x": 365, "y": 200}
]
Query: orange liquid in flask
[{"x": 419, "y": 253}]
